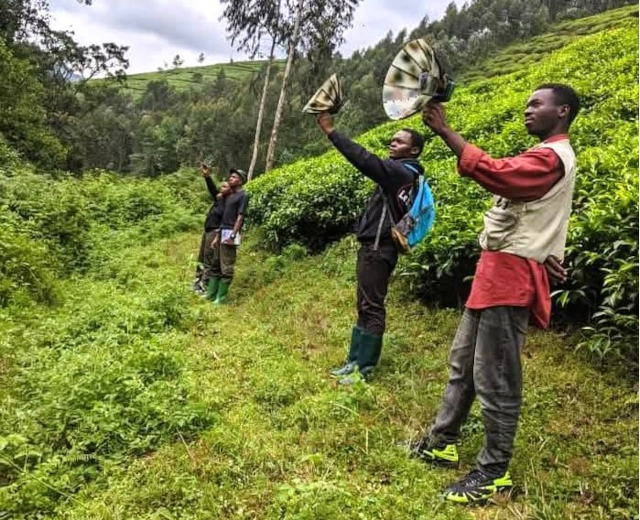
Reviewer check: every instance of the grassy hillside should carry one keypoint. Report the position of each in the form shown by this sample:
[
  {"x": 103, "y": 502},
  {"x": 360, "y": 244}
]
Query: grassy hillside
[
  {"x": 135, "y": 399},
  {"x": 529, "y": 52},
  {"x": 185, "y": 77},
  {"x": 124, "y": 396}
]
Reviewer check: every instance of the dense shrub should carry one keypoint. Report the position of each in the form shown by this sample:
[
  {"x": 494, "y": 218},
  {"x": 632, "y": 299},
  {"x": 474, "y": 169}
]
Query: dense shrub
[
  {"x": 101, "y": 376},
  {"x": 55, "y": 226},
  {"x": 100, "y": 379},
  {"x": 26, "y": 269},
  {"x": 96, "y": 379},
  {"x": 312, "y": 200}
]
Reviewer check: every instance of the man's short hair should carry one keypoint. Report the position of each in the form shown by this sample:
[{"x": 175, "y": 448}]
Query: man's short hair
[
  {"x": 417, "y": 141},
  {"x": 564, "y": 95}
]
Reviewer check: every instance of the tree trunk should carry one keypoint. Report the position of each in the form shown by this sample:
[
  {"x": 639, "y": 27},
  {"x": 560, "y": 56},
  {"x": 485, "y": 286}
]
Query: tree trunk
[
  {"x": 293, "y": 43},
  {"x": 265, "y": 89}
]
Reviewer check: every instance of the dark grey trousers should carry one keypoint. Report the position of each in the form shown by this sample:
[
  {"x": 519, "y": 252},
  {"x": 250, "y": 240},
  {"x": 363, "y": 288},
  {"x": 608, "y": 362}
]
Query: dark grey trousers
[
  {"x": 374, "y": 269},
  {"x": 211, "y": 257},
  {"x": 221, "y": 263},
  {"x": 485, "y": 361},
  {"x": 200, "y": 264}
]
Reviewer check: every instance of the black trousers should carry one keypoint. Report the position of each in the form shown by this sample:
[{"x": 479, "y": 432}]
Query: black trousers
[{"x": 374, "y": 270}]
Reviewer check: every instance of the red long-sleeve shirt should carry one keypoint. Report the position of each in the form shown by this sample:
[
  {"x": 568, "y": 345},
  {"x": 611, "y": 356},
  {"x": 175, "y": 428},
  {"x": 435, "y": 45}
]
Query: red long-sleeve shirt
[{"x": 503, "y": 278}]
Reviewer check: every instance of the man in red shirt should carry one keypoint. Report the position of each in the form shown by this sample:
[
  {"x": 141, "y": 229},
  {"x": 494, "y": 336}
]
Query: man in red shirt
[{"x": 524, "y": 232}]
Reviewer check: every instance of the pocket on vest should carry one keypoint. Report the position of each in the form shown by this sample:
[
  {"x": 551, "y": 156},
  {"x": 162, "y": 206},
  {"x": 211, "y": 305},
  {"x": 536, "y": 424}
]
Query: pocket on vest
[{"x": 499, "y": 225}]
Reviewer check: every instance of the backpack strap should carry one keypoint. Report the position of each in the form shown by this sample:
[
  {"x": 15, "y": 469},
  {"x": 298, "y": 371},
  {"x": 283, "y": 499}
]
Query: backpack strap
[
  {"x": 384, "y": 214},
  {"x": 412, "y": 168},
  {"x": 386, "y": 209}
]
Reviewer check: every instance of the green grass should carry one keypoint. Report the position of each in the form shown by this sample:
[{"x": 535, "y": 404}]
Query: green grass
[
  {"x": 284, "y": 441},
  {"x": 133, "y": 398},
  {"x": 522, "y": 55},
  {"x": 183, "y": 78}
]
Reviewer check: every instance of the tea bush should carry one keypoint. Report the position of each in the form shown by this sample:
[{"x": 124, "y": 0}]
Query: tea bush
[{"x": 313, "y": 201}]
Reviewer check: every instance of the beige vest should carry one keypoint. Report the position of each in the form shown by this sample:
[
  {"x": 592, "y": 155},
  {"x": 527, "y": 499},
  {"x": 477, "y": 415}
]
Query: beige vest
[{"x": 537, "y": 228}]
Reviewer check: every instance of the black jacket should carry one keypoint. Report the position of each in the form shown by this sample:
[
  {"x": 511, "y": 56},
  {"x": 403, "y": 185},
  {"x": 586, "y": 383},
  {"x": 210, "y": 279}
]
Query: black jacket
[
  {"x": 394, "y": 179},
  {"x": 214, "y": 216}
]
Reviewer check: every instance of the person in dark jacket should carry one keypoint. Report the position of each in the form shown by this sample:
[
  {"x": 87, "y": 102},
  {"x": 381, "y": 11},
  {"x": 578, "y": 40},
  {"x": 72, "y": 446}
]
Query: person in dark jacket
[
  {"x": 396, "y": 179},
  {"x": 209, "y": 245},
  {"x": 228, "y": 237},
  {"x": 199, "y": 283}
]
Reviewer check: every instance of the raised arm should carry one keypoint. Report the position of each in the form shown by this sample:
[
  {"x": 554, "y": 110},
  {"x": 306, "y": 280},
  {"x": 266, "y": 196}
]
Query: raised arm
[
  {"x": 527, "y": 176},
  {"x": 211, "y": 186},
  {"x": 367, "y": 163},
  {"x": 434, "y": 117}
]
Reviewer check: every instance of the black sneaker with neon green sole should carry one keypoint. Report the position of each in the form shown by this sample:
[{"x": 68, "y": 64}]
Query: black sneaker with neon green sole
[
  {"x": 477, "y": 488},
  {"x": 445, "y": 455}
]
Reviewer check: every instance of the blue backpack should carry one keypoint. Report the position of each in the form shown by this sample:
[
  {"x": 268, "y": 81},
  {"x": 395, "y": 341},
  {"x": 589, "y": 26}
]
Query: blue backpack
[{"x": 418, "y": 221}]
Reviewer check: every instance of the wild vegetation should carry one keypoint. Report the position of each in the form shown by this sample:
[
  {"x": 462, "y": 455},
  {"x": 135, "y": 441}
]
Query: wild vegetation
[
  {"x": 123, "y": 395},
  {"x": 133, "y": 399},
  {"x": 52, "y": 228}
]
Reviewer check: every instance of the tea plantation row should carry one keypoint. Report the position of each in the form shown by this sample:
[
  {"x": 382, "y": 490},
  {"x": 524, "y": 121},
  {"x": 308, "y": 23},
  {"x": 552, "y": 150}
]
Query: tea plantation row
[{"x": 316, "y": 200}]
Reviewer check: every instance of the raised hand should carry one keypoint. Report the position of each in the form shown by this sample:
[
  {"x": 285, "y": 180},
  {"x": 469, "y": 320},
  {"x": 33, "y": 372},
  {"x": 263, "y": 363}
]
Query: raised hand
[
  {"x": 325, "y": 122},
  {"x": 434, "y": 117},
  {"x": 205, "y": 170}
]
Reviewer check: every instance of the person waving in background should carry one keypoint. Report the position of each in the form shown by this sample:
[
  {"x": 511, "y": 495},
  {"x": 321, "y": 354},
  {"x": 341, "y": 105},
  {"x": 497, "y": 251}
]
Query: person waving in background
[
  {"x": 396, "y": 179},
  {"x": 211, "y": 222},
  {"x": 211, "y": 245},
  {"x": 227, "y": 240},
  {"x": 524, "y": 233}
]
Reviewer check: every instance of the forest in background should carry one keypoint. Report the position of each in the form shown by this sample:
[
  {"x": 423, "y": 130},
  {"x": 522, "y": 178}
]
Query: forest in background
[{"x": 59, "y": 124}]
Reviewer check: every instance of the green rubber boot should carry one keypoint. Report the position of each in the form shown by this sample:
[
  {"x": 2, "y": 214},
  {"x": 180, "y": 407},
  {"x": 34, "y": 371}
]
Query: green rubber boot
[
  {"x": 223, "y": 289},
  {"x": 212, "y": 288},
  {"x": 368, "y": 357},
  {"x": 352, "y": 357}
]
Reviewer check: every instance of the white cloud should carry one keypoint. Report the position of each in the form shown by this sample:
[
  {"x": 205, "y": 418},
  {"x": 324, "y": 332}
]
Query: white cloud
[
  {"x": 374, "y": 19},
  {"x": 156, "y": 30}
]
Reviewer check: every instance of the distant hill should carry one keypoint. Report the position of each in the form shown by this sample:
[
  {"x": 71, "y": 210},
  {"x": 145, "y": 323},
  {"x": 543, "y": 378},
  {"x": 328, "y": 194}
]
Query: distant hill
[
  {"x": 185, "y": 77},
  {"x": 521, "y": 55},
  {"x": 509, "y": 59}
]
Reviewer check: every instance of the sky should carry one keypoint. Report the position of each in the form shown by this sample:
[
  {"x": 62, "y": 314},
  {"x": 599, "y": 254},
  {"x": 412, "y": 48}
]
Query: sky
[{"x": 156, "y": 30}]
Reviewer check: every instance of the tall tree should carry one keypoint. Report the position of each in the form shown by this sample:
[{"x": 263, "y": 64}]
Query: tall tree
[
  {"x": 293, "y": 43},
  {"x": 248, "y": 22},
  {"x": 312, "y": 23},
  {"x": 263, "y": 99},
  {"x": 60, "y": 65}
]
